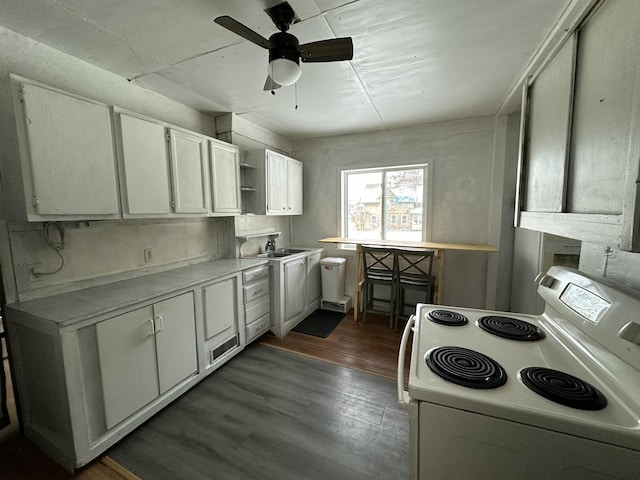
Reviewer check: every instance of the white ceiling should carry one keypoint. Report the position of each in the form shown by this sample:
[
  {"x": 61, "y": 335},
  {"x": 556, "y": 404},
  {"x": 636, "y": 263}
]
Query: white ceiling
[{"x": 415, "y": 61}]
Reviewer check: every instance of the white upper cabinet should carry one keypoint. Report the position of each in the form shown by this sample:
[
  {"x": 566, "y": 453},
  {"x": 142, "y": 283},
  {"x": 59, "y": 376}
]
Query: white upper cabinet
[
  {"x": 189, "y": 172},
  {"x": 144, "y": 165},
  {"x": 68, "y": 168},
  {"x": 163, "y": 170},
  {"x": 224, "y": 165},
  {"x": 277, "y": 182},
  {"x": 294, "y": 187},
  {"x": 580, "y": 142}
]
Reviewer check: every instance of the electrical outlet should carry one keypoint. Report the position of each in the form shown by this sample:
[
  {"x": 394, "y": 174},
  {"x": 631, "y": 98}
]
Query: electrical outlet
[
  {"x": 35, "y": 269},
  {"x": 148, "y": 255}
]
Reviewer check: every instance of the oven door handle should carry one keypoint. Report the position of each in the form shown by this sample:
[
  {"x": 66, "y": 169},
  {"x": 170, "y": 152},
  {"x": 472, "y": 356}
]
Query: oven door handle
[{"x": 403, "y": 395}]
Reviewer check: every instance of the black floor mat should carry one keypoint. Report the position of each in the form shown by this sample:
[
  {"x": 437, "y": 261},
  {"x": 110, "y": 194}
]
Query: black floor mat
[{"x": 320, "y": 323}]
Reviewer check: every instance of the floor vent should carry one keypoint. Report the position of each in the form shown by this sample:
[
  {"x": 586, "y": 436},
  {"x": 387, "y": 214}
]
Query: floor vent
[{"x": 225, "y": 347}]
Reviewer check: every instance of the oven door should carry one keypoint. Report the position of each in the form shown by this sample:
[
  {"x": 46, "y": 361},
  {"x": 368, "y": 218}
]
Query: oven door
[
  {"x": 458, "y": 444},
  {"x": 407, "y": 403}
]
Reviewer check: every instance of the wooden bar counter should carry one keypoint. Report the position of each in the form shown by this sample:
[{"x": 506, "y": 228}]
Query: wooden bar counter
[{"x": 440, "y": 249}]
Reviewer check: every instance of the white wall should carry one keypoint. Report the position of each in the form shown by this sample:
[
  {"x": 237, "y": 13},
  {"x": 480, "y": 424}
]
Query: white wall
[
  {"x": 460, "y": 155},
  {"x": 110, "y": 248}
]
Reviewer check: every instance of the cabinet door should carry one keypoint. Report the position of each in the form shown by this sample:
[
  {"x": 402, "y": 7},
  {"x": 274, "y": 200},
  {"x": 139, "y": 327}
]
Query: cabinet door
[
  {"x": 188, "y": 168},
  {"x": 277, "y": 184},
  {"x": 225, "y": 178},
  {"x": 128, "y": 368},
  {"x": 603, "y": 166},
  {"x": 175, "y": 326},
  {"x": 294, "y": 175},
  {"x": 314, "y": 287},
  {"x": 145, "y": 166},
  {"x": 294, "y": 288},
  {"x": 220, "y": 308},
  {"x": 546, "y": 148},
  {"x": 71, "y": 154}
]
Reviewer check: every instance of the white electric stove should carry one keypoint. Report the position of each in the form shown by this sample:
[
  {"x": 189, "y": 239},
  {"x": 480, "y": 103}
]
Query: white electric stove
[{"x": 497, "y": 395}]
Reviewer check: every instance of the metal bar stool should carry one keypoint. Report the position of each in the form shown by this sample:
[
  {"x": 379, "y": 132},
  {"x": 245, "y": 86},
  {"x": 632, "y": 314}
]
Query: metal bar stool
[
  {"x": 413, "y": 272},
  {"x": 379, "y": 268}
]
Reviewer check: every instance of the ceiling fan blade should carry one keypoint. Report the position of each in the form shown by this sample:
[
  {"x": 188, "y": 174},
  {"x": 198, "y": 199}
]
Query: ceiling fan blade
[
  {"x": 332, "y": 50},
  {"x": 242, "y": 30},
  {"x": 270, "y": 84}
]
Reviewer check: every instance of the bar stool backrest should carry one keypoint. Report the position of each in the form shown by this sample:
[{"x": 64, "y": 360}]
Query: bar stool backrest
[
  {"x": 379, "y": 263},
  {"x": 414, "y": 266}
]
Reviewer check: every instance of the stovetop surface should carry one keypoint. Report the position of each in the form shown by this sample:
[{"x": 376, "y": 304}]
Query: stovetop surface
[{"x": 617, "y": 423}]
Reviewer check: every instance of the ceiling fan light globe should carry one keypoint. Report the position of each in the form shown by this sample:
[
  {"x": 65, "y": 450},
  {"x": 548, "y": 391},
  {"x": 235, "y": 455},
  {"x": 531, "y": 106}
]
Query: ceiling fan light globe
[{"x": 283, "y": 71}]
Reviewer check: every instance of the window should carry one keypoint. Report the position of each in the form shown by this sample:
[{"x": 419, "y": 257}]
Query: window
[{"x": 373, "y": 199}]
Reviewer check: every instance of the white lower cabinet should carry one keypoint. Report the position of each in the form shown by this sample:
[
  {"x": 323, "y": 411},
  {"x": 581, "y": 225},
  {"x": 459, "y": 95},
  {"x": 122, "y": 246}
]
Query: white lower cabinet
[
  {"x": 257, "y": 302},
  {"x": 295, "y": 290},
  {"x": 224, "y": 334},
  {"x": 314, "y": 283},
  {"x": 92, "y": 365},
  {"x": 295, "y": 280},
  {"x": 145, "y": 353}
]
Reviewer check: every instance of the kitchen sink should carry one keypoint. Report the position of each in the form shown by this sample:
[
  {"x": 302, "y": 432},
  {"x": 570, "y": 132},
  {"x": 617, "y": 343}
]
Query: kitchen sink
[{"x": 282, "y": 252}]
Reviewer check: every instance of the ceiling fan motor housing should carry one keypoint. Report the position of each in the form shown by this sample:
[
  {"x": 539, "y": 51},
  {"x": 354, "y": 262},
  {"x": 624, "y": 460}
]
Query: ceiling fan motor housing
[{"x": 285, "y": 46}]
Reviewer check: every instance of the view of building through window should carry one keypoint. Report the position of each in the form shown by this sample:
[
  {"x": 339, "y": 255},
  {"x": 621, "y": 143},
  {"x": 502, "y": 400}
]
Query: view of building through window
[{"x": 379, "y": 203}]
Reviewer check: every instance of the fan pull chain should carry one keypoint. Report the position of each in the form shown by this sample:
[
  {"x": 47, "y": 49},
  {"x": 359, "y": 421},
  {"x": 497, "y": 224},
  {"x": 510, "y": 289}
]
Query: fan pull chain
[{"x": 295, "y": 90}]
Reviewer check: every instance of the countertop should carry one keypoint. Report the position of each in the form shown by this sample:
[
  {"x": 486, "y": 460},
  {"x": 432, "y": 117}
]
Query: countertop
[{"x": 72, "y": 307}]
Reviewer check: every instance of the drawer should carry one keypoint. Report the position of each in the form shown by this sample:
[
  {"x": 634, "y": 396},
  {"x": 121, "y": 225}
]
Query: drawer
[
  {"x": 255, "y": 273},
  {"x": 257, "y": 310},
  {"x": 258, "y": 327},
  {"x": 256, "y": 290}
]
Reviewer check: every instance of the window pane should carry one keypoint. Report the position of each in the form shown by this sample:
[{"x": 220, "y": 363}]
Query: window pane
[
  {"x": 364, "y": 205},
  {"x": 404, "y": 190}
]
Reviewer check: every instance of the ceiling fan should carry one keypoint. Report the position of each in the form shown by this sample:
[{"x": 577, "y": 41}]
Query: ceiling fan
[{"x": 285, "y": 52}]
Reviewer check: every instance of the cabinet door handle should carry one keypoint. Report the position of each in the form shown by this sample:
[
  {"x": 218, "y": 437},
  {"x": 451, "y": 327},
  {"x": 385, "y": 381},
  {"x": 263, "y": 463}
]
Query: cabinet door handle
[
  {"x": 159, "y": 323},
  {"x": 152, "y": 325}
]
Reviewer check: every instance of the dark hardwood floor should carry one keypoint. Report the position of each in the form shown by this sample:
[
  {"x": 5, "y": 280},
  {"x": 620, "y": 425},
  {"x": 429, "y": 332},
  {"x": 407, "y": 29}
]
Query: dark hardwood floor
[
  {"x": 370, "y": 347},
  {"x": 268, "y": 414}
]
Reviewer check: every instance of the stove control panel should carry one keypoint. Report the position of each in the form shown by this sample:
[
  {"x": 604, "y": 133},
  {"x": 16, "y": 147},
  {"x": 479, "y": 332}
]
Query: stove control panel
[{"x": 584, "y": 302}]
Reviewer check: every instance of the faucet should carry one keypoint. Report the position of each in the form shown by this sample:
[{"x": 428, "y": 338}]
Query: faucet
[{"x": 271, "y": 244}]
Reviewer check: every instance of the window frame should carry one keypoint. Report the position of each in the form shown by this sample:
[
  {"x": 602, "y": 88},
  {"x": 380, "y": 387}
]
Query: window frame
[{"x": 427, "y": 189}]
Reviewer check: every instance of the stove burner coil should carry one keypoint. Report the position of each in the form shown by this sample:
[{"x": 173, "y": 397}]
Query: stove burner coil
[
  {"x": 447, "y": 317},
  {"x": 510, "y": 328},
  {"x": 466, "y": 367},
  {"x": 563, "y": 388}
]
